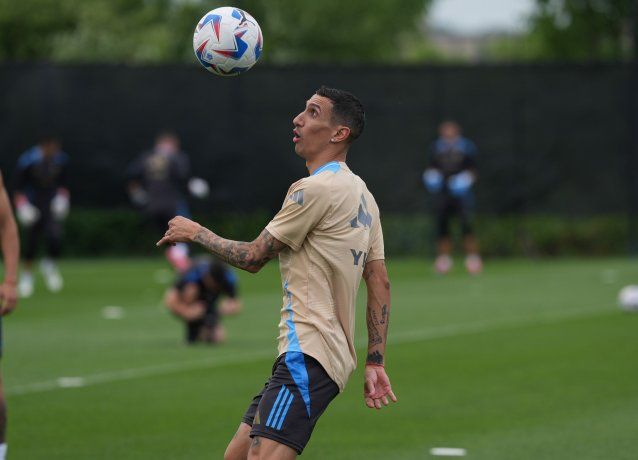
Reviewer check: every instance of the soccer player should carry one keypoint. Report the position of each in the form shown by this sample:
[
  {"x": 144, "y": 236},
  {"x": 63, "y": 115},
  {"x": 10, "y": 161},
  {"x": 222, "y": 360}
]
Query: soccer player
[
  {"x": 194, "y": 297},
  {"x": 41, "y": 198},
  {"x": 450, "y": 175},
  {"x": 11, "y": 254},
  {"x": 327, "y": 236},
  {"x": 157, "y": 183}
]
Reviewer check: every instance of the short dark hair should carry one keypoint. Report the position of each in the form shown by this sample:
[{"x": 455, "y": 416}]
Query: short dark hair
[{"x": 346, "y": 109}]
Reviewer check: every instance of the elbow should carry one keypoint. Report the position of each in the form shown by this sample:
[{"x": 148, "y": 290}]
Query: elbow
[
  {"x": 253, "y": 268},
  {"x": 385, "y": 281},
  {"x": 379, "y": 279}
]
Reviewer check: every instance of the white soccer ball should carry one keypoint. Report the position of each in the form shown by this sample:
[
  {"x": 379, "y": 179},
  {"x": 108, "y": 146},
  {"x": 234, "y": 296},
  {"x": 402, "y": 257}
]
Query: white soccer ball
[
  {"x": 628, "y": 298},
  {"x": 227, "y": 41}
]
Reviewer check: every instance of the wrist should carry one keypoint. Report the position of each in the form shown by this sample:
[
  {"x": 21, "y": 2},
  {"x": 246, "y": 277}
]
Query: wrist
[
  {"x": 198, "y": 231},
  {"x": 375, "y": 365},
  {"x": 12, "y": 281}
]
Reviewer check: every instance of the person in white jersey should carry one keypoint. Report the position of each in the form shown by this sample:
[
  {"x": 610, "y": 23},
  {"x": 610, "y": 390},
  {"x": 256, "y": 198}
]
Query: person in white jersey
[{"x": 328, "y": 236}]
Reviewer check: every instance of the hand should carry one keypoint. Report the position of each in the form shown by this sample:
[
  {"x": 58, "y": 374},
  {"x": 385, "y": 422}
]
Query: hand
[
  {"x": 377, "y": 388},
  {"x": 60, "y": 206},
  {"x": 26, "y": 213},
  {"x": 138, "y": 196},
  {"x": 433, "y": 180},
  {"x": 198, "y": 187},
  {"x": 180, "y": 230},
  {"x": 8, "y": 297},
  {"x": 459, "y": 184}
]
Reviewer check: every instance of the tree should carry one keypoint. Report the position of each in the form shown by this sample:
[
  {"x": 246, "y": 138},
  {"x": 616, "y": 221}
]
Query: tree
[
  {"x": 582, "y": 29},
  {"x": 161, "y": 30}
]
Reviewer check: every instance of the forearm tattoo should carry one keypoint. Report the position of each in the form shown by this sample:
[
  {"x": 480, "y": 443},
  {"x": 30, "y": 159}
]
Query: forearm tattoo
[
  {"x": 374, "y": 338},
  {"x": 247, "y": 256},
  {"x": 378, "y": 311},
  {"x": 374, "y": 358}
]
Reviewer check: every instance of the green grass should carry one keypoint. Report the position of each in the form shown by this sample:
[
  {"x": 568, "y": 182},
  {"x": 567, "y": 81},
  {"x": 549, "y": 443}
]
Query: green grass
[{"x": 531, "y": 360}]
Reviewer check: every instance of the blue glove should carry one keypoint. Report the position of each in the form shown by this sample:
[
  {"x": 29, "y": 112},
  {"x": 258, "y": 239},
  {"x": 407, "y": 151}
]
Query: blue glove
[
  {"x": 433, "y": 180},
  {"x": 461, "y": 183}
]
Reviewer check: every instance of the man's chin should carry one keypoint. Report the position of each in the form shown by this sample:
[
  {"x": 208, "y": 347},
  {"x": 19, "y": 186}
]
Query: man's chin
[{"x": 299, "y": 150}]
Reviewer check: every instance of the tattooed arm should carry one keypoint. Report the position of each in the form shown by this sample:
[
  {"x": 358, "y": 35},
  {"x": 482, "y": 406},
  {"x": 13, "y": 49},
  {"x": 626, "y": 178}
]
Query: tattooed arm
[
  {"x": 377, "y": 384},
  {"x": 378, "y": 310},
  {"x": 249, "y": 256}
]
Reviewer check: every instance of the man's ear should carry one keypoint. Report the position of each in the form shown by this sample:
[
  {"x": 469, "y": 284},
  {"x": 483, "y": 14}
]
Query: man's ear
[{"x": 340, "y": 135}]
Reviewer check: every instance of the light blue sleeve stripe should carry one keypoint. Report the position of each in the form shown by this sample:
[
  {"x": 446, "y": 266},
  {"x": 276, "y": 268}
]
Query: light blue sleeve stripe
[
  {"x": 274, "y": 407},
  {"x": 283, "y": 416}
]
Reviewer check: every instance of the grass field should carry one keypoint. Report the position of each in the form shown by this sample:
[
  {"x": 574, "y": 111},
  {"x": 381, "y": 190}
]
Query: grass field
[{"x": 531, "y": 360}]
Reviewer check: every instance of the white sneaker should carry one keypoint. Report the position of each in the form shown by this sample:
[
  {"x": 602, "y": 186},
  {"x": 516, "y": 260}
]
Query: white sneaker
[
  {"x": 52, "y": 277},
  {"x": 474, "y": 264},
  {"x": 443, "y": 264},
  {"x": 25, "y": 286}
]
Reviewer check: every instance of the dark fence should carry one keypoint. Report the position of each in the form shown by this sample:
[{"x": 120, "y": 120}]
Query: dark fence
[{"x": 552, "y": 139}]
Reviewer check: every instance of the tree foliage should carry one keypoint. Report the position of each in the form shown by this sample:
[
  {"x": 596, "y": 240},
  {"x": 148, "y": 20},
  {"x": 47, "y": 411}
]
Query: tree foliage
[
  {"x": 582, "y": 29},
  {"x": 161, "y": 30}
]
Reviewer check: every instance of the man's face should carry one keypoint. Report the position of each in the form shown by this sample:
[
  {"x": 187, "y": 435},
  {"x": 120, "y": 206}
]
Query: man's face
[
  {"x": 449, "y": 131},
  {"x": 313, "y": 127},
  {"x": 50, "y": 148},
  {"x": 167, "y": 145}
]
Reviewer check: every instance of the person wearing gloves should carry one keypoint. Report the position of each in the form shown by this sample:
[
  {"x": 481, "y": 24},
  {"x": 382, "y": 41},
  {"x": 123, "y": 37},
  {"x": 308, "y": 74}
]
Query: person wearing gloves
[
  {"x": 42, "y": 200},
  {"x": 449, "y": 177},
  {"x": 194, "y": 299},
  {"x": 158, "y": 183}
]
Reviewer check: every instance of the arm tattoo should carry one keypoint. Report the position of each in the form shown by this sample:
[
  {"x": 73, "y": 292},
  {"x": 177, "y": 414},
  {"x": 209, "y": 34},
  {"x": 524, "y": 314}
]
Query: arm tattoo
[
  {"x": 375, "y": 358},
  {"x": 378, "y": 310},
  {"x": 374, "y": 338},
  {"x": 247, "y": 256}
]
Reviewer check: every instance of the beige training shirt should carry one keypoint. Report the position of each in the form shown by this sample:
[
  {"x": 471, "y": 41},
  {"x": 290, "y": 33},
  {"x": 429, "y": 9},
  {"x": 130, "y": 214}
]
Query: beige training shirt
[{"x": 330, "y": 223}]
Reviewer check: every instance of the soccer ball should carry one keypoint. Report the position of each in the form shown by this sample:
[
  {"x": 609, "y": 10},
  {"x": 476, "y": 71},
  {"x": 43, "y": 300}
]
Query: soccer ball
[
  {"x": 227, "y": 41},
  {"x": 628, "y": 298}
]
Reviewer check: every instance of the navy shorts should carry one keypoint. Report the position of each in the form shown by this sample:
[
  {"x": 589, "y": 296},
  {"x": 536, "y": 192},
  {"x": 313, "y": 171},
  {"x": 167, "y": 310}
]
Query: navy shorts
[{"x": 291, "y": 402}]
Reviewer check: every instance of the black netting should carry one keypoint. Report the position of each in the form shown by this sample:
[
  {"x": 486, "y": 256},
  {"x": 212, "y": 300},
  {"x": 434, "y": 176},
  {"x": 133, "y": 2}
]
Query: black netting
[{"x": 551, "y": 138}]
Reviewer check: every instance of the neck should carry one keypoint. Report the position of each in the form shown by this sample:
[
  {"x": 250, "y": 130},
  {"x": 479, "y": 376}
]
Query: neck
[{"x": 316, "y": 163}]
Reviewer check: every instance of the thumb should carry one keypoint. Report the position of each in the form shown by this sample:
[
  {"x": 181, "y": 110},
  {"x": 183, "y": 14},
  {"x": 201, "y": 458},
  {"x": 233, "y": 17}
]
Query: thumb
[{"x": 369, "y": 386}]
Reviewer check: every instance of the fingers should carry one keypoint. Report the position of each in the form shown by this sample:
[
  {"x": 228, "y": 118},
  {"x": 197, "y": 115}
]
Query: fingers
[
  {"x": 370, "y": 403},
  {"x": 166, "y": 239},
  {"x": 377, "y": 401}
]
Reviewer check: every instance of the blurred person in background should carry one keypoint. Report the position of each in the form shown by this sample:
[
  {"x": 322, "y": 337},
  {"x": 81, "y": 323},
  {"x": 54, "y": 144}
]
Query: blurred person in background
[
  {"x": 42, "y": 199},
  {"x": 158, "y": 181},
  {"x": 194, "y": 298},
  {"x": 449, "y": 177},
  {"x": 10, "y": 244}
]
